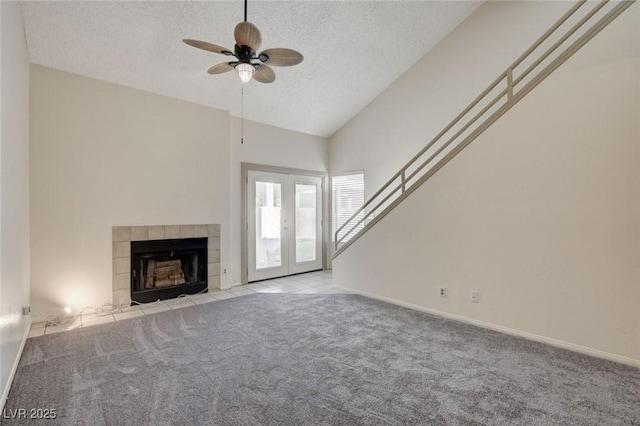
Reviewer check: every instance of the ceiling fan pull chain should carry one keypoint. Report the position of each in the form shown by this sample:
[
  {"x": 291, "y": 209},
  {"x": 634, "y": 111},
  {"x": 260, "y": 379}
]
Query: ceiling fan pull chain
[{"x": 242, "y": 115}]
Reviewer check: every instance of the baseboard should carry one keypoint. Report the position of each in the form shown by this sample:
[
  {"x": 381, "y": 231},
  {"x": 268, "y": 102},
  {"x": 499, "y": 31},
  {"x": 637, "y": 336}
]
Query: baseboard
[
  {"x": 5, "y": 394},
  {"x": 506, "y": 330}
]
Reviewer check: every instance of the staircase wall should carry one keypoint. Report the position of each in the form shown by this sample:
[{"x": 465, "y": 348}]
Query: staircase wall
[{"x": 540, "y": 215}]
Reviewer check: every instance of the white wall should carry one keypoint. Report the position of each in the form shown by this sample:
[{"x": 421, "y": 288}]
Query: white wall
[
  {"x": 14, "y": 186},
  {"x": 541, "y": 214},
  {"x": 104, "y": 155},
  {"x": 273, "y": 146}
]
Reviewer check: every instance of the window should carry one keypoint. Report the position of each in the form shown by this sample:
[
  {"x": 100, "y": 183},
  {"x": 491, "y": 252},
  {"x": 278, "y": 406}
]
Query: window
[{"x": 348, "y": 197}]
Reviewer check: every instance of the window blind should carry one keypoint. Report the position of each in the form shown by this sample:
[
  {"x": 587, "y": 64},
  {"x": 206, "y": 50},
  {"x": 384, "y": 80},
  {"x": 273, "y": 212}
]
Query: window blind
[{"x": 348, "y": 197}]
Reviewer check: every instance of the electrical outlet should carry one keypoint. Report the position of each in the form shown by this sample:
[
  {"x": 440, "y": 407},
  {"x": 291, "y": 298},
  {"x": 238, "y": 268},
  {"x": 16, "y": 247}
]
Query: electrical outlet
[
  {"x": 443, "y": 292},
  {"x": 224, "y": 271},
  {"x": 473, "y": 296},
  {"x": 26, "y": 310}
]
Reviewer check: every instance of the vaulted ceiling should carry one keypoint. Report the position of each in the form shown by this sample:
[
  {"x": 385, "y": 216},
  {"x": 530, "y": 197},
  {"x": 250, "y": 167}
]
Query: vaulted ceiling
[{"x": 353, "y": 50}]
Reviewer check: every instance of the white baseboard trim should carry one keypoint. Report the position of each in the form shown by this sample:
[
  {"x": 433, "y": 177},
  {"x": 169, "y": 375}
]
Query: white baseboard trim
[
  {"x": 5, "y": 394},
  {"x": 506, "y": 330}
]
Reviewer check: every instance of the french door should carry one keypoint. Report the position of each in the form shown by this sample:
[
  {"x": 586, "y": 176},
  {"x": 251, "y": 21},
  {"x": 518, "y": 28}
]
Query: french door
[{"x": 284, "y": 224}]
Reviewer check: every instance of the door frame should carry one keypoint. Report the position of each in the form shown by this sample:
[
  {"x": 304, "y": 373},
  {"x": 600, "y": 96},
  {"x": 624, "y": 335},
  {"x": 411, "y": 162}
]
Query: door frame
[{"x": 244, "y": 223}]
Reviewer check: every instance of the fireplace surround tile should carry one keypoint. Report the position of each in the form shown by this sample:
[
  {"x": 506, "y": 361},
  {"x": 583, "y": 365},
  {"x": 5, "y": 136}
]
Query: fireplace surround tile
[
  {"x": 201, "y": 231},
  {"x": 122, "y": 281},
  {"x": 187, "y": 231},
  {"x": 213, "y": 269},
  {"x": 121, "y": 233},
  {"x": 121, "y": 249},
  {"x": 213, "y": 256},
  {"x": 214, "y": 243},
  {"x": 171, "y": 231},
  {"x": 156, "y": 233},
  {"x": 214, "y": 230},
  {"x": 121, "y": 252},
  {"x": 121, "y": 265},
  {"x": 139, "y": 233},
  {"x": 121, "y": 297}
]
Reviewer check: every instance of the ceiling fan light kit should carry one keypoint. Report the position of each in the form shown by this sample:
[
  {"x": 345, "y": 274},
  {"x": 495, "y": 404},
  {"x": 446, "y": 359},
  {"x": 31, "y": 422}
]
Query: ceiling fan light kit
[
  {"x": 249, "y": 63},
  {"x": 245, "y": 71}
]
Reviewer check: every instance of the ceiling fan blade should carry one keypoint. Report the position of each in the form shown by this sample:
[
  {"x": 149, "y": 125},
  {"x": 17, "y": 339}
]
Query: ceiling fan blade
[
  {"x": 281, "y": 57},
  {"x": 247, "y": 34},
  {"x": 264, "y": 74},
  {"x": 208, "y": 46},
  {"x": 220, "y": 68}
]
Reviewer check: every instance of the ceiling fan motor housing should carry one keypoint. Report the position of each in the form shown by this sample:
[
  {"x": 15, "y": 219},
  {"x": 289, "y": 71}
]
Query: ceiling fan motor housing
[
  {"x": 244, "y": 53},
  {"x": 248, "y": 41}
]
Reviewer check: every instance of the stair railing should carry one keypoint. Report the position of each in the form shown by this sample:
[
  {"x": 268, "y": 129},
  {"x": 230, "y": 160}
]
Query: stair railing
[{"x": 492, "y": 103}]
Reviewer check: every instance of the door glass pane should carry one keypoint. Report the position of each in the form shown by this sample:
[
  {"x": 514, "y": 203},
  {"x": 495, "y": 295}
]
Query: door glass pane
[
  {"x": 305, "y": 205},
  {"x": 268, "y": 241}
]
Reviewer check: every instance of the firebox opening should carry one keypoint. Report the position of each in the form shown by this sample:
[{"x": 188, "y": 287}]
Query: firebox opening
[{"x": 165, "y": 269}]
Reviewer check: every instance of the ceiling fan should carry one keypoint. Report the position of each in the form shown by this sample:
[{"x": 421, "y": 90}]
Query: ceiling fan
[{"x": 248, "y": 62}]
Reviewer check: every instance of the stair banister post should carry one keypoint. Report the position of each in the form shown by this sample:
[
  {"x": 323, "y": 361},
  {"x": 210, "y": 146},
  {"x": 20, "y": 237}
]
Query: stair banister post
[{"x": 509, "y": 84}]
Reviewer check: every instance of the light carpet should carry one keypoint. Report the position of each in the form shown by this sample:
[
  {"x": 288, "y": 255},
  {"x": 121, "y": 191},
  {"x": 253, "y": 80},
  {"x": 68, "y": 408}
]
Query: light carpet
[{"x": 290, "y": 359}]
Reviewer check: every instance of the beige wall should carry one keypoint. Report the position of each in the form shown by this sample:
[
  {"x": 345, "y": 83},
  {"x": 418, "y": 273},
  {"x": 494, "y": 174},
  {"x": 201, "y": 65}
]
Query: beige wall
[
  {"x": 541, "y": 214},
  {"x": 14, "y": 190},
  {"x": 105, "y": 155}
]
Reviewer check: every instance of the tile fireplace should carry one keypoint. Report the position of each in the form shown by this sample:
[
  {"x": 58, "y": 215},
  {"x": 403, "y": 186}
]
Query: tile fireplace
[{"x": 164, "y": 261}]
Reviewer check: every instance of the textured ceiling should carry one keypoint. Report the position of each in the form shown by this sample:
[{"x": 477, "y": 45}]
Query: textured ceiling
[{"x": 353, "y": 50}]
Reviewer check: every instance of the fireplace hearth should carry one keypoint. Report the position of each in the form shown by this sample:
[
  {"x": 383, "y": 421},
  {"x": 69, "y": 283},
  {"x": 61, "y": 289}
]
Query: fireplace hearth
[{"x": 165, "y": 269}]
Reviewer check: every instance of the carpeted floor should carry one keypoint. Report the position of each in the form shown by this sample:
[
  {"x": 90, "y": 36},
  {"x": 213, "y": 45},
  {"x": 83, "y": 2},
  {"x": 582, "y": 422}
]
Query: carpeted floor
[{"x": 288, "y": 359}]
